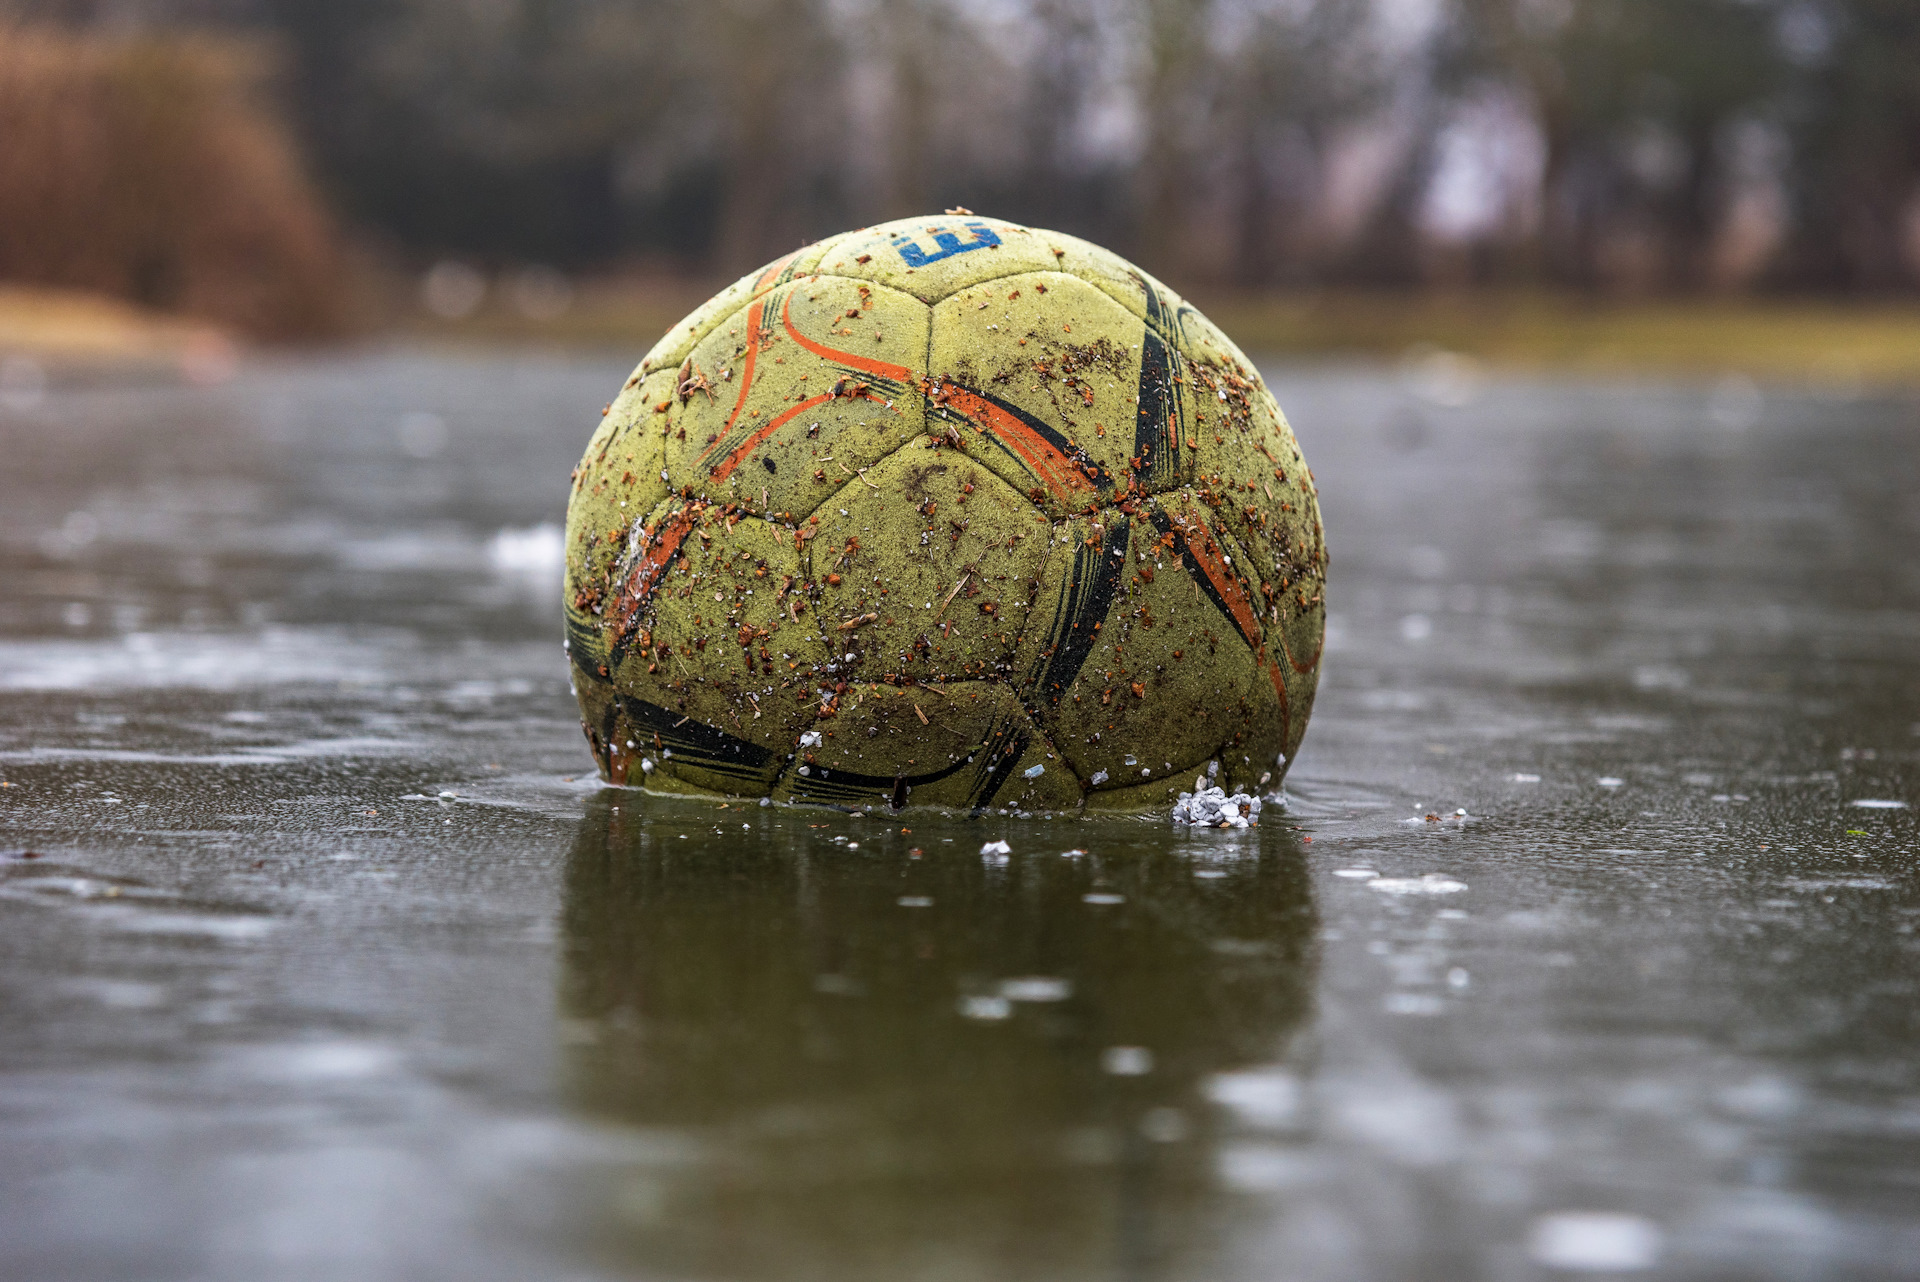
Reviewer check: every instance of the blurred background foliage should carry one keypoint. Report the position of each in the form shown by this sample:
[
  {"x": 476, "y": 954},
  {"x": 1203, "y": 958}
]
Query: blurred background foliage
[{"x": 200, "y": 154}]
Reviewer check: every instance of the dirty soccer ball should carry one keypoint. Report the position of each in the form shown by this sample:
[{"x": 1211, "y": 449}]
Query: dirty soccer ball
[{"x": 947, "y": 512}]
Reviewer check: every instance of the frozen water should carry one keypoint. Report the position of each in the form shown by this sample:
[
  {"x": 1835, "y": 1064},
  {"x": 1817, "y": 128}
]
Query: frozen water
[{"x": 273, "y": 1008}]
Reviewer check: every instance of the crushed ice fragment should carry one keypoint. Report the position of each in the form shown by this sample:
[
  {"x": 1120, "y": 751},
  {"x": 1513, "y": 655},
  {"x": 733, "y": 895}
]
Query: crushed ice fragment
[
  {"x": 1164, "y": 1125},
  {"x": 1431, "y": 884},
  {"x": 1127, "y": 1061},
  {"x": 1211, "y": 807},
  {"x": 1594, "y": 1242},
  {"x": 1264, "y": 1099},
  {"x": 985, "y": 1007}
]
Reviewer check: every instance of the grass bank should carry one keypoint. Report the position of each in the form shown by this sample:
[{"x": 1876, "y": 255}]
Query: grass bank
[
  {"x": 1771, "y": 340},
  {"x": 1779, "y": 340},
  {"x": 54, "y": 331}
]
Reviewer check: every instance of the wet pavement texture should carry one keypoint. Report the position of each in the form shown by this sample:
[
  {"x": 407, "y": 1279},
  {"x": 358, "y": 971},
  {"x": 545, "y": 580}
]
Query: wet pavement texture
[{"x": 1585, "y": 945}]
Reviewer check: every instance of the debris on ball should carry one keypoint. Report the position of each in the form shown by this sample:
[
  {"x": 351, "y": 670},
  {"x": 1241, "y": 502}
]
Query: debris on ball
[{"x": 952, "y": 513}]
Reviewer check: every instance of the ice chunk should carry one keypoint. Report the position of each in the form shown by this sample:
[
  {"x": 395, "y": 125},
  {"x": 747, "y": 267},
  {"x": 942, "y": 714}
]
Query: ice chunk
[
  {"x": 1430, "y": 884},
  {"x": 1594, "y": 1241},
  {"x": 1127, "y": 1061}
]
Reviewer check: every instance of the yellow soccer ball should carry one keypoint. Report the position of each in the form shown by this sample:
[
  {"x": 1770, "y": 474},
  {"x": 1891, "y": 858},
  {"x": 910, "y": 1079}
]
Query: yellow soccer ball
[{"x": 946, "y": 512}]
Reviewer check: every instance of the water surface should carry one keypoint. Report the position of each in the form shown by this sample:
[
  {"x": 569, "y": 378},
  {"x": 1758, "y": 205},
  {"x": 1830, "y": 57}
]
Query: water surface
[{"x": 1586, "y": 943}]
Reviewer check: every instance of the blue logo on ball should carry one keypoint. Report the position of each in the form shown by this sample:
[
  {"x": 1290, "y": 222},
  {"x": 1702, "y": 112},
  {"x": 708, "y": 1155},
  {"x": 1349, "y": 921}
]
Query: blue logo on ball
[{"x": 949, "y": 243}]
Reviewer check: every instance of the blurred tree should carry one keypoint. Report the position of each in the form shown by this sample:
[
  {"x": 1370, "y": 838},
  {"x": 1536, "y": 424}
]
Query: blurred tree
[
  {"x": 769, "y": 67},
  {"x": 1856, "y": 126},
  {"x": 1298, "y": 74},
  {"x": 911, "y": 37},
  {"x": 481, "y": 126},
  {"x": 1633, "y": 98},
  {"x": 149, "y": 167},
  {"x": 1065, "y": 71},
  {"x": 1255, "y": 140},
  {"x": 1173, "y": 52}
]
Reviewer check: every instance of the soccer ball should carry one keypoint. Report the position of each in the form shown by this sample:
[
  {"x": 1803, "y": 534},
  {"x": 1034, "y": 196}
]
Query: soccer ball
[{"x": 947, "y": 512}]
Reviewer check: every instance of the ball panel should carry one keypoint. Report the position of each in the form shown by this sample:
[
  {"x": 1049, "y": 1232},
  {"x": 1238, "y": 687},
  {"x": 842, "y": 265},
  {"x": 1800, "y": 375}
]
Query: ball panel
[
  {"x": 1250, "y": 476},
  {"x": 1167, "y": 430},
  {"x": 1201, "y": 340},
  {"x": 617, "y": 480},
  {"x": 1274, "y": 518},
  {"x": 673, "y": 347},
  {"x": 932, "y": 257},
  {"x": 929, "y": 574},
  {"x": 1132, "y": 288},
  {"x": 1254, "y": 482},
  {"x": 661, "y": 783},
  {"x": 622, "y": 461},
  {"x": 1219, "y": 570},
  {"x": 1132, "y": 670},
  {"x": 1045, "y": 375},
  {"x": 1260, "y": 495},
  {"x": 697, "y": 324},
  {"x": 703, "y": 644},
  {"x": 784, "y": 402},
  {"x": 966, "y": 745}
]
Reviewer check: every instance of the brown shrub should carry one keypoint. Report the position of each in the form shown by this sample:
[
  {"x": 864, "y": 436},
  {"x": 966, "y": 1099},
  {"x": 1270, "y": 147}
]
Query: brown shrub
[{"x": 149, "y": 168}]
